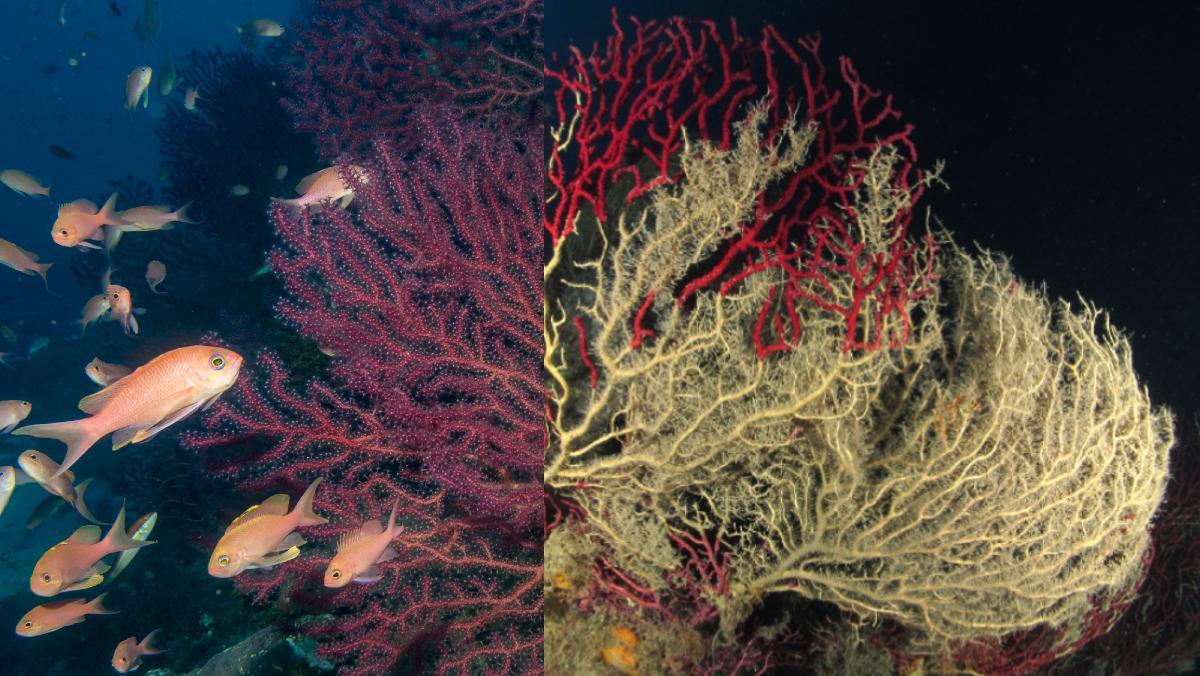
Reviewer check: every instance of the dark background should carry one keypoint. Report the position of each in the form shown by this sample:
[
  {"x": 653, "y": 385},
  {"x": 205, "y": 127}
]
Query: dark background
[{"x": 1069, "y": 134}]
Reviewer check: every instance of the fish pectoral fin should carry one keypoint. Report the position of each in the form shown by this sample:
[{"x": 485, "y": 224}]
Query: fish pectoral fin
[
  {"x": 371, "y": 574},
  {"x": 86, "y": 583},
  {"x": 140, "y": 433},
  {"x": 128, "y": 435},
  {"x": 294, "y": 539},
  {"x": 271, "y": 560},
  {"x": 345, "y": 201},
  {"x": 387, "y": 555}
]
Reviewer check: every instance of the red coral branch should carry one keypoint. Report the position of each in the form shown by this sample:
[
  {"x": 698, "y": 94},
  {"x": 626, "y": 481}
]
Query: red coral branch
[{"x": 623, "y": 112}]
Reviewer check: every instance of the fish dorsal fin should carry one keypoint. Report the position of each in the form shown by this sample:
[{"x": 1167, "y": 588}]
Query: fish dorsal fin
[
  {"x": 372, "y": 527},
  {"x": 92, "y": 403},
  {"x": 86, "y": 535},
  {"x": 80, "y": 206},
  {"x": 243, "y": 518},
  {"x": 276, "y": 504},
  {"x": 307, "y": 182}
]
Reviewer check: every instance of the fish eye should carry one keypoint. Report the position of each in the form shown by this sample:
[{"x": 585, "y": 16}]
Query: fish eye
[
  {"x": 63, "y": 232},
  {"x": 28, "y": 624},
  {"x": 223, "y": 560},
  {"x": 337, "y": 574},
  {"x": 45, "y": 577},
  {"x": 123, "y": 659},
  {"x": 217, "y": 362}
]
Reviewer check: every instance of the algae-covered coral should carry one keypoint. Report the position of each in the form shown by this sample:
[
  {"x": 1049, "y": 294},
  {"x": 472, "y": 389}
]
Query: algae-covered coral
[{"x": 994, "y": 471}]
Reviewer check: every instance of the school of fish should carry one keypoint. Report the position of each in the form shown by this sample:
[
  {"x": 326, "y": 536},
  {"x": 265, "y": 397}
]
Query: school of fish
[{"x": 136, "y": 403}]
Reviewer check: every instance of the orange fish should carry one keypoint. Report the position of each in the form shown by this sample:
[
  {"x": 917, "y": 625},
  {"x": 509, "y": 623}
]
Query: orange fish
[
  {"x": 128, "y": 655},
  {"x": 264, "y": 535},
  {"x": 23, "y": 183},
  {"x": 96, "y": 307},
  {"x": 76, "y": 563},
  {"x": 54, "y": 616},
  {"x": 41, "y": 468},
  {"x": 18, "y": 259},
  {"x": 105, "y": 374},
  {"x": 327, "y": 184},
  {"x": 12, "y": 412},
  {"x": 359, "y": 552},
  {"x": 156, "y": 272},
  {"x": 80, "y": 221},
  {"x": 155, "y": 396},
  {"x": 122, "y": 308}
]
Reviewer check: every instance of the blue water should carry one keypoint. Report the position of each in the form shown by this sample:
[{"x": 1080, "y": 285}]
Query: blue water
[{"x": 80, "y": 108}]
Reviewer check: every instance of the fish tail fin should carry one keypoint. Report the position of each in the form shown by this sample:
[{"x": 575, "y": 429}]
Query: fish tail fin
[
  {"x": 148, "y": 647},
  {"x": 96, "y": 606},
  {"x": 181, "y": 214},
  {"x": 391, "y": 525},
  {"x": 81, "y": 506},
  {"x": 108, "y": 212},
  {"x": 304, "y": 506},
  {"x": 118, "y": 540},
  {"x": 78, "y": 435}
]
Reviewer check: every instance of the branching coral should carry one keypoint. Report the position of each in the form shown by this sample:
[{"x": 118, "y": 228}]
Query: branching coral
[{"x": 996, "y": 471}]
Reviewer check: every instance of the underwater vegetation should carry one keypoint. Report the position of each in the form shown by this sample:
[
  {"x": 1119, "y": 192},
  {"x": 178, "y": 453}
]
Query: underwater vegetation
[
  {"x": 370, "y": 67},
  {"x": 779, "y": 415}
]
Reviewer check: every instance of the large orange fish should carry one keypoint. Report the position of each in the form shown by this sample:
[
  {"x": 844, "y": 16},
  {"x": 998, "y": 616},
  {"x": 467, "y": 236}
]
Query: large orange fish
[
  {"x": 155, "y": 396},
  {"x": 40, "y": 468},
  {"x": 264, "y": 535},
  {"x": 76, "y": 563},
  {"x": 18, "y": 259},
  {"x": 54, "y": 616},
  {"x": 80, "y": 221},
  {"x": 128, "y": 655},
  {"x": 360, "y": 551}
]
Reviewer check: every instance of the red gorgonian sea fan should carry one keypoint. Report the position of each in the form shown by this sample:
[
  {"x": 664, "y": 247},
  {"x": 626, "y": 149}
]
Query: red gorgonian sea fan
[
  {"x": 426, "y": 291},
  {"x": 370, "y": 67},
  {"x": 620, "y": 116}
]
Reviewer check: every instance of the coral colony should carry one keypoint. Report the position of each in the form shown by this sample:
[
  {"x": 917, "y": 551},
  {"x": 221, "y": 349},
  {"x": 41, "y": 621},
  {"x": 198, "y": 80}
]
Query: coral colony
[
  {"x": 778, "y": 414},
  {"x": 370, "y": 68},
  {"x": 424, "y": 292}
]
